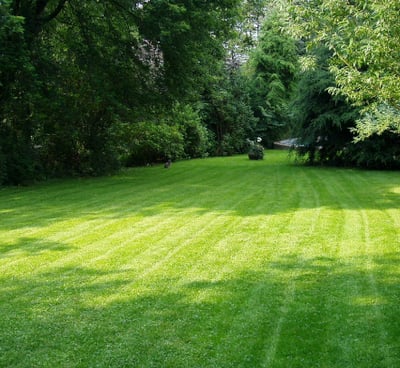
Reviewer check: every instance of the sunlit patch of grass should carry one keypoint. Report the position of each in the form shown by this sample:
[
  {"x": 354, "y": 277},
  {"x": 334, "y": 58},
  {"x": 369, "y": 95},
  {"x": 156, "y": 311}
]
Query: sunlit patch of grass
[{"x": 222, "y": 262}]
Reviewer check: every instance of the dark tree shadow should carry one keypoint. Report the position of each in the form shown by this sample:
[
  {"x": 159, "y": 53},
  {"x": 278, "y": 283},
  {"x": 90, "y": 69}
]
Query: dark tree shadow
[
  {"x": 31, "y": 246},
  {"x": 297, "y": 312}
]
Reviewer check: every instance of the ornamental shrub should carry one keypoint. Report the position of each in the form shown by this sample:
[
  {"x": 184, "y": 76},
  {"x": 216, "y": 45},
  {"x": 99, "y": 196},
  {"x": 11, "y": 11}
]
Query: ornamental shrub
[{"x": 256, "y": 150}]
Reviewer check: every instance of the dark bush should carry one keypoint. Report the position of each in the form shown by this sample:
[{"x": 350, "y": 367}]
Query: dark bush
[
  {"x": 376, "y": 152},
  {"x": 256, "y": 151}
]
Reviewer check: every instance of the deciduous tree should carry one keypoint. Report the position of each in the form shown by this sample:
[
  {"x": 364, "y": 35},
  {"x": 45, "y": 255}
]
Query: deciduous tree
[{"x": 364, "y": 39}]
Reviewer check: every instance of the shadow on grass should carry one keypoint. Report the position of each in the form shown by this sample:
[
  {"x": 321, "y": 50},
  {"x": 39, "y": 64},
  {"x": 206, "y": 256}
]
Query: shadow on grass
[
  {"x": 294, "y": 312},
  {"x": 230, "y": 185},
  {"x": 31, "y": 246}
]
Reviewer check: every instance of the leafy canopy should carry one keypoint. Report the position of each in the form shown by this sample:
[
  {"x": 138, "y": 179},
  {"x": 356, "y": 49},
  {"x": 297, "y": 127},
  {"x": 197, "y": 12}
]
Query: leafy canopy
[{"x": 363, "y": 37}]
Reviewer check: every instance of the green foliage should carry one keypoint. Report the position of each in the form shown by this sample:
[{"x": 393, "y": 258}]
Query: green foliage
[
  {"x": 17, "y": 92},
  {"x": 13, "y": 54},
  {"x": 227, "y": 112},
  {"x": 71, "y": 71},
  {"x": 363, "y": 37},
  {"x": 190, "y": 35},
  {"x": 378, "y": 151},
  {"x": 321, "y": 121},
  {"x": 256, "y": 150},
  {"x": 153, "y": 142},
  {"x": 196, "y": 137},
  {"x": 177, "y": 133},
  {"x": 247, "y": 30},
  {"x": 272, "y": 70},
  {"x": 324, "y": 124},
  {"x": 18, "y": 162},
  {"x": 378, "y": 119}
]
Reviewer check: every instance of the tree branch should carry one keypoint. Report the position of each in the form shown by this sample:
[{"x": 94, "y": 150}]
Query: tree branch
[
  {"x": 54, "y": 13},
  {"x": 40, "y": 6},
  {"x": 16, "y": 7}
]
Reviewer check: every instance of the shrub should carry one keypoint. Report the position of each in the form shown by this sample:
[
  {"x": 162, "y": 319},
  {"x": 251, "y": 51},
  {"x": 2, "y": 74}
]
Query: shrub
[
  {"x": 151, "y": 142},
  {"x": 256, "y": 150},
  {"x": 197, "y": 139},
  {"x": 376, "y": 152}
]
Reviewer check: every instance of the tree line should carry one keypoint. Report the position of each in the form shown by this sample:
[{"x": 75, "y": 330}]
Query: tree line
[
  {"x": 87, "y": 87},
  {"x": 347, "y": 110}
]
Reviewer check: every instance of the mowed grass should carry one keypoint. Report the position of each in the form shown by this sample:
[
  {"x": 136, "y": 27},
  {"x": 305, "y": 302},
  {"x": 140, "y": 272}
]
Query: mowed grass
[{"x": 222, "y": 262}]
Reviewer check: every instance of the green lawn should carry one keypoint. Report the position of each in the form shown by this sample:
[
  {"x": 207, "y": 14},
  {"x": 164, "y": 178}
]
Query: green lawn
[{"x": 222, "y": 262}]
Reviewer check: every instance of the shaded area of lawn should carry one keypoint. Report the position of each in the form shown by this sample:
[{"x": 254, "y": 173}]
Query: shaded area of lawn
[
  {"x": 220, "y": 262},
  {"x": 297, "y": 313},
  {"x": 31, "y": 246}
]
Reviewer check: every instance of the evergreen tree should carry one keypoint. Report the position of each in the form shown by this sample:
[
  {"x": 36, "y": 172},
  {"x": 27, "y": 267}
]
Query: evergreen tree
[
  {"x": 272, "y": 70},
  {"x": 324, "y": 124},
  {"x": 321, "y": 121}
]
